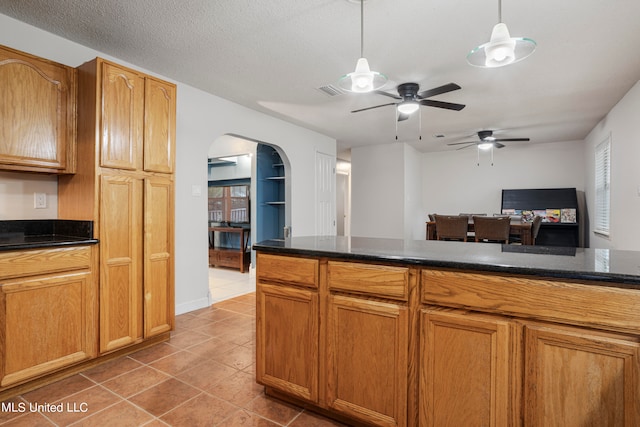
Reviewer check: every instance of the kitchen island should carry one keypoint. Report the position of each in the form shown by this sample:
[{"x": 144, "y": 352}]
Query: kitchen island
[{"x": 404, "y": 333}]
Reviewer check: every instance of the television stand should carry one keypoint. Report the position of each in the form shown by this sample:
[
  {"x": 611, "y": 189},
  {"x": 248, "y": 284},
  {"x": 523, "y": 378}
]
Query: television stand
[{"x": 234, "y": 257}]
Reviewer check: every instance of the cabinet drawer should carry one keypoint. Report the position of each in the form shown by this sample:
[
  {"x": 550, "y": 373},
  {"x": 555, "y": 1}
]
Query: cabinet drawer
[
  {"x": 290, "y": 270},
  {"x": 369, "y": 279},
  {"x": 44, "y": 261},
  {"x": 589, "y": 304}
]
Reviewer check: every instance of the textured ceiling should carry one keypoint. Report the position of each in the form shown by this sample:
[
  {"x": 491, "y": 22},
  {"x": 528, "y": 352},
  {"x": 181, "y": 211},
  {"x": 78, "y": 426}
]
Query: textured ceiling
[{"x": 273, "y": 55}]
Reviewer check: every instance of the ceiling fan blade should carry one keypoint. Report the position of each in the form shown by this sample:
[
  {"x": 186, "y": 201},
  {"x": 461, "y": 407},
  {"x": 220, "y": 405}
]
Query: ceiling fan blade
[
  {"x": 439, "y": 90},
  {"x": 402, "y": 117},
  {"x": 440, "y": 104},
  {"x": 390, "y": 95},
  {"x": 511, "y": 139},
  {"x": 466, "y": 146},
  {"x": 497, "y": 144},
  {"x": 370, "y": 108},
  {"x": 461, "y": 143}
]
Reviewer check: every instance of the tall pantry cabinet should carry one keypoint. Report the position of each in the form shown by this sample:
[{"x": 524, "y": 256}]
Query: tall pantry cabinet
[{"x": 125, "y": 184}]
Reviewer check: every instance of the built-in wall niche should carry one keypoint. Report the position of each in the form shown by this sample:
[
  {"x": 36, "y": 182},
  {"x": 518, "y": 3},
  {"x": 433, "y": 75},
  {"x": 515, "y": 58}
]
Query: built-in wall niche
[{"x": 271, "y": 194}]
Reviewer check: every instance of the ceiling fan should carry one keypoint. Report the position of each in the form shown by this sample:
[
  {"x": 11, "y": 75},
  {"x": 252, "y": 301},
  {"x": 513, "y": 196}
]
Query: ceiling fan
[
  {"x": 487, "y": 140},
  {"x": 411, "y": 99}
]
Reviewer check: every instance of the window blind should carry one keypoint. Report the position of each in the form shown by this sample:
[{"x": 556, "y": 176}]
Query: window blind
[{"x": 603, "y": 187}]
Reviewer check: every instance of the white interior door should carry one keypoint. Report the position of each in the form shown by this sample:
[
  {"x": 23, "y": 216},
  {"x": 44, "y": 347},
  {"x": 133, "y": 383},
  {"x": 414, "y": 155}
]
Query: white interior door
[{"x": 325, "y": 194}]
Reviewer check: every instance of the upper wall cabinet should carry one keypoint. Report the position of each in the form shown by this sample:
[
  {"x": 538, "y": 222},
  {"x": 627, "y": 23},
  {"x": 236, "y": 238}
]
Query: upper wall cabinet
[
  {"x": 138, "y": 120},
  {"x": 159, "y": 125},
  {"x": 37, "y": 114}
]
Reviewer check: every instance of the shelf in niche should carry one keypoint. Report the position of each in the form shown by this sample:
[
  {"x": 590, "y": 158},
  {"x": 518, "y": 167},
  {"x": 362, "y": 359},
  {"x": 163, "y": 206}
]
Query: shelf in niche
[
  {"x": 275, "y": 178},
  {"x": 276, "y": 203}
]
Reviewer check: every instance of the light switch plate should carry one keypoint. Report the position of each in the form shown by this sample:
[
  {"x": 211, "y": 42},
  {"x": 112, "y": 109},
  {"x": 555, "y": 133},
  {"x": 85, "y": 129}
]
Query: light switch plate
[{"x": 196, "y": 191}]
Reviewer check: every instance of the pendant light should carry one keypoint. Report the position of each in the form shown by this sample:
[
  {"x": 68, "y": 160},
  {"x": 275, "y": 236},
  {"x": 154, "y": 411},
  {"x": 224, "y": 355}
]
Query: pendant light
[
  {"x": 362, "y": 80},
  {"x": 502, "y": 49}
]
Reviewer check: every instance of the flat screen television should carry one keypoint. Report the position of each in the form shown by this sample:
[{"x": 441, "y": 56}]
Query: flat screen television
[{"x": 229, "y": 204}]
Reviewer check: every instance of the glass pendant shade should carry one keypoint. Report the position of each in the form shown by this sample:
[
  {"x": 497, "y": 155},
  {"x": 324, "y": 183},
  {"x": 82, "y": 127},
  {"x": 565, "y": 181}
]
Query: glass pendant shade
[
  {"x": 408, "y": 107},
  {"x": 362, "y": 79},
  {"x": 501, "y": 50},
  {"x": 485, "y": 145}
]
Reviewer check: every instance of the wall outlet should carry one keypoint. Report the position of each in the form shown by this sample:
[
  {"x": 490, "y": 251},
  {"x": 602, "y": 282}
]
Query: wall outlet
[{"x": 40, "y": 200}]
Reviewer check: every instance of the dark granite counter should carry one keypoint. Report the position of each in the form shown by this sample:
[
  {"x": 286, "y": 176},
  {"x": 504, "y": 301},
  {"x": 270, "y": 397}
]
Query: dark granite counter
[
  {"x": 36, "y": 233},
  {"x": 610, "y": 267}
]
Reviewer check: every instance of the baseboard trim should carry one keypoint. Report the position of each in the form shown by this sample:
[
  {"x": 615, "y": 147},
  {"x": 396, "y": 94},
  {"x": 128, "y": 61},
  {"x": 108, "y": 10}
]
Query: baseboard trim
[{"x": 192, "y": 305}]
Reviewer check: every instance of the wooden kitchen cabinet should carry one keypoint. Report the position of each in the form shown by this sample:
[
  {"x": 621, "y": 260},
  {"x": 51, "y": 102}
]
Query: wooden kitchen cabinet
[
  {"x": 38, "y": 114},
  {"x": 465, "y": 369},
  {"x": 290, "y": 334},
  {"x": 367, "y": 342},
  {"x": 367, "y": 360},
  {"x": 287, "y": 325},
  {"x": 48, "y": 305},
  {"x": 120, "y": 261},
  {"x": 125, "y": 183},
  {"x": 159, "y": 126},
  {"x": 122, "y": 116},
  {"x": 580, "y": 377},
  {"x": 138, "y": 120},
  {"x": 159, "y": 302}
]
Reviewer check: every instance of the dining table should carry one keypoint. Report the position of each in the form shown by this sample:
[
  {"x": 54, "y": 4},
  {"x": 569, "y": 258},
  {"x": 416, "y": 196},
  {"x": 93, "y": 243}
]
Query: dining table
[{"x": 520, "y": 229}]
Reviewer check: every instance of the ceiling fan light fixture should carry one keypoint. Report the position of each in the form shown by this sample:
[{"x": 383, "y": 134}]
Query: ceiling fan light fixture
[
  {"x": 485, "y": 145},
  {"x": 408, "y": 107}
]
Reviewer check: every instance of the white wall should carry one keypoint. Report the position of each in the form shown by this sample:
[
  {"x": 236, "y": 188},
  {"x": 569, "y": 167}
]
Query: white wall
[
  {"x": 201, "y": 119},
  {"x": 624, "y": 127},
  {"x": 454, "y": 183},
  {"x": 413, "y": 201},
  {"x": 377, "y": 191},
  {"x": 17, "y": 195}
]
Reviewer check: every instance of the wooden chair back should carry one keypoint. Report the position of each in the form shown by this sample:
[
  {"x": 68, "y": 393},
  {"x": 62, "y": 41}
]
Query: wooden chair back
[
  {"x": 492, "y": 229},
  {"x": 451, "y": 227}
]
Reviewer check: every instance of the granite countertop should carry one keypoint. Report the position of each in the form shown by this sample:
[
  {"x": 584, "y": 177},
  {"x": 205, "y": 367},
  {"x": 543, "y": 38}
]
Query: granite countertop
[
  {"x": 611, "y": 267},
  {"x": 44, "y": 233}
]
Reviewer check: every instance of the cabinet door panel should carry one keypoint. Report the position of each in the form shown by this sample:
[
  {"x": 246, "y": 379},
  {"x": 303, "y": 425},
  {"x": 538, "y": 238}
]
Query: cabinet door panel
[
  {"x": 120, "y": 269},
  {"x": 37, "y": 113},
  {"x": 159, "y": 126},
  {"x": 122, "y": 117},
  {"x": 464, "y": 372},
  {"x": 287, "y": 340},
  {"x": 367, "y": 360},
  {"x": 47, "y": 325},
  {"x": 158, "y": 256},
  {"x": 576, "y": 377}
]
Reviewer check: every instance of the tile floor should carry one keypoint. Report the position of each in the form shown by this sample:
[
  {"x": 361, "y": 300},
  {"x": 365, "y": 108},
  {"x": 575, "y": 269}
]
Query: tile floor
[
  {"x": 204, "y": 376},
  {"x": 225, "y": 283}
]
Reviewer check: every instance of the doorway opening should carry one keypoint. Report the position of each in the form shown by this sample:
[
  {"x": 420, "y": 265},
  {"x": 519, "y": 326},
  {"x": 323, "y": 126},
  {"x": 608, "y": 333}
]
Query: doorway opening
[{"x": 248, "y": 201}]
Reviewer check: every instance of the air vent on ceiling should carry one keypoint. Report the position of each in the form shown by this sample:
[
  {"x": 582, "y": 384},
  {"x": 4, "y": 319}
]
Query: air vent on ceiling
[{"x": 331, "y": 90}]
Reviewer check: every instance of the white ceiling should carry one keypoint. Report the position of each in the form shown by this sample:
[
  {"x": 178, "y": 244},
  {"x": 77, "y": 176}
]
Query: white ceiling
[{"x": 273, "y": 55}]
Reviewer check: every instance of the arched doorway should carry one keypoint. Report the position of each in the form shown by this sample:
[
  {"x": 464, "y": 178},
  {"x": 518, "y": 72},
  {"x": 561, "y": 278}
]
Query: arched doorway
[{"x": 265, "y": 168}]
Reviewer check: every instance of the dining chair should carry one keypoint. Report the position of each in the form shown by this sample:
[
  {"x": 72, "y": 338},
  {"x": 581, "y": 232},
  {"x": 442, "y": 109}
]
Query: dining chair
[
  {"x": 451, "y": 227},
  {"x": 492, "y": 229},
  {"x": 535, "y": 228}
]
